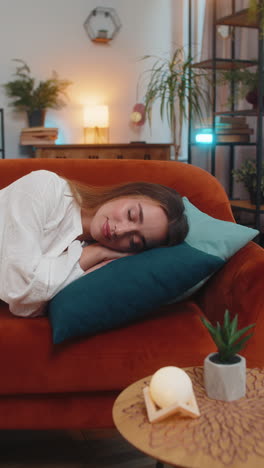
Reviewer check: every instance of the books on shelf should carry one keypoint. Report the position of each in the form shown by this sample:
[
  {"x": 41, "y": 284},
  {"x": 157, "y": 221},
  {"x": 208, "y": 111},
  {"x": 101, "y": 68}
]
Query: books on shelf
[
  {"x": 233, "y": 130},
  {"x": 230, "y": 129},
  {"x": 225, "y": 119},
  {"x": 232, "y": 138},
  {"x": 233, "y": 121},
  {"x": 38, "y": 135}
]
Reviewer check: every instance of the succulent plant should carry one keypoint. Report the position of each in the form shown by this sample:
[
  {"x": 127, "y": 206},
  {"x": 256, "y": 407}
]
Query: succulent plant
[{"x": 227, "y": 337}]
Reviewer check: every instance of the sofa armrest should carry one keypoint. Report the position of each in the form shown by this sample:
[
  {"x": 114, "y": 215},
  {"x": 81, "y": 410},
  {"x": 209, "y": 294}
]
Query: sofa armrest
[{"x": 238, "y": 286}]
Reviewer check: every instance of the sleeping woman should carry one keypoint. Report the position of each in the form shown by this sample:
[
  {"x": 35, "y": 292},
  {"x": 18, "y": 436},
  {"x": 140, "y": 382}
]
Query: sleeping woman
[{"x": 54, "y": 231}]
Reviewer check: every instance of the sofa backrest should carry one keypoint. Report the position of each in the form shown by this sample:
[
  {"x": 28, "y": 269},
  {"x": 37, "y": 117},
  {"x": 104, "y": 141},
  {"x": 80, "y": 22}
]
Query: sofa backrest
[{"x": 202, "y": 189}]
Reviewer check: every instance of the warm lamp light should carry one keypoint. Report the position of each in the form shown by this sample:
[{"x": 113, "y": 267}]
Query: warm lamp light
[
  {"x": 96, "y": 116},
  {"x": 96, "y": 124},
  {"x": 170, "y": 385}
]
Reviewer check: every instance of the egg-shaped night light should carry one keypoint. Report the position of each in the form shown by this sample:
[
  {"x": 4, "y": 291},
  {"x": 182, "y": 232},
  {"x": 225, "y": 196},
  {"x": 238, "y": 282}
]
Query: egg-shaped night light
[{"x": 170, "y": 385}]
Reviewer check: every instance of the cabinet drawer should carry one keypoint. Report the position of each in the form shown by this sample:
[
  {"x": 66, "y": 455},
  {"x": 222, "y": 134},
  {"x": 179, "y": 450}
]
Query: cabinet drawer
[{"x": 145, "y": 151}]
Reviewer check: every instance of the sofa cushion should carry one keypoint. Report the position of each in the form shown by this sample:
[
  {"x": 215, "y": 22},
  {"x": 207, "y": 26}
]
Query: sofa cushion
[
  {"x": 30, "y": 363},
  {"x": 127, "y": 289}
]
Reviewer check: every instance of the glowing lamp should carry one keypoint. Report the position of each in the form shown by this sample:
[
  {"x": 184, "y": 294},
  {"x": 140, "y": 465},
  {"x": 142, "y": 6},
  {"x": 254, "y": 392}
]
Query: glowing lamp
[
  {"x": 170, "y": 392},
  {"x": 170, "y": 385},
  {"x": 96, "y": 124}
]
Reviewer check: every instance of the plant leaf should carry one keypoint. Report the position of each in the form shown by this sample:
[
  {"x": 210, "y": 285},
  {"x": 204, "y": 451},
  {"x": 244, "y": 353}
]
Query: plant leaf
[
  {"x": 233, "y": 326},
  {"x": 241, "y": 344},
  {"x": 241, "y": 332}
]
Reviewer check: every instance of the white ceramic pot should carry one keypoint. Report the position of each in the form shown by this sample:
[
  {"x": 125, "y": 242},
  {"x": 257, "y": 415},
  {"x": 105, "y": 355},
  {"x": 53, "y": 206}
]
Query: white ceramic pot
[{"x": 225, "y": 382}]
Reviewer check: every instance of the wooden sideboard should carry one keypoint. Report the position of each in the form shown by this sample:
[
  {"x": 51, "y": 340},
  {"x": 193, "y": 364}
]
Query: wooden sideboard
[{"x": 105, "y": 151}]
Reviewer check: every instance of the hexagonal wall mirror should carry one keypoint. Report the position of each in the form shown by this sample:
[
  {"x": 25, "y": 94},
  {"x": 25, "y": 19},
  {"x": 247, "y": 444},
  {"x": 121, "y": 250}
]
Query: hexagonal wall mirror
[{"x": 102, "y": 24}]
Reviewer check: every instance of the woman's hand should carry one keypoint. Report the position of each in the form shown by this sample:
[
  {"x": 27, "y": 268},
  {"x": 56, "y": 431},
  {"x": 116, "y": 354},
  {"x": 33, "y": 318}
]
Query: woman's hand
[{"x": 95, "y": 254}]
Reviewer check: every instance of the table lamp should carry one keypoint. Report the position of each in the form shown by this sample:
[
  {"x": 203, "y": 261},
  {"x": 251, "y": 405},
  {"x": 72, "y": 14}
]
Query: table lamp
[{"x": 96, "y": 124}]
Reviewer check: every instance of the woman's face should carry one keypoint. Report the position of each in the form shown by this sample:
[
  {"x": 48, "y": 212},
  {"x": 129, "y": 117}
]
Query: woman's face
[{"x": 129, "y": 224}]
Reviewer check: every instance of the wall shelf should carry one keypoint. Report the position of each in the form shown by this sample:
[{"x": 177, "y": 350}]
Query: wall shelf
[
  {"x": 224, "y": 64},
  {"x": 239, "y": 19},
  {"x": 236, "y": 20},
  {"x": 245, "y": 205},
  {"x": 2, "y": 134}
]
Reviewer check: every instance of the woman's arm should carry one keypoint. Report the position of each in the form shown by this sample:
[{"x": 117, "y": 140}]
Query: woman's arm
[
  {"x": 96, "y": 254},
  {"x": 30, "y": 278}
]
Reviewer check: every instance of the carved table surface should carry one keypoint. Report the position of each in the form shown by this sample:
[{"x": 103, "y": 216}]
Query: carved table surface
[{"x": 227, "y": 434}]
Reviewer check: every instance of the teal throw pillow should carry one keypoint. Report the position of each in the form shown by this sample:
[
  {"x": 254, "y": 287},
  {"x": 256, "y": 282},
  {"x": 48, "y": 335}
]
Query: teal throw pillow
[
  {"x": 127, "y": 289},
  {"x": 132, "y": 287}
]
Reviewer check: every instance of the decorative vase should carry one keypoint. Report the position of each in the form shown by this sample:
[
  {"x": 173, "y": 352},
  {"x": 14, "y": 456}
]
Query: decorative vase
[
  {"x": 226, "y": 382},
  {"x": 36, "y": 118}
]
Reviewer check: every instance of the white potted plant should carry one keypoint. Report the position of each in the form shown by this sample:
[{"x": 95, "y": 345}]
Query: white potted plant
[{"x": 225, "y": 370}]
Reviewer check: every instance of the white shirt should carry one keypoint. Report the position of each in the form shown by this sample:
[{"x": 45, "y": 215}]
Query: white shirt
[{"x": 39, "y": 222}]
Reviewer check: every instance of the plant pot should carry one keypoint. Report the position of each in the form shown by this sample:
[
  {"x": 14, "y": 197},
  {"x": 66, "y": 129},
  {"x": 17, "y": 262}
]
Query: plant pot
[
  {"x": 102, "y": 33},
  {"x": 226, "y": 382},
  {"x": 36, "y": 118},
  {"x": 252, "y": 98}
]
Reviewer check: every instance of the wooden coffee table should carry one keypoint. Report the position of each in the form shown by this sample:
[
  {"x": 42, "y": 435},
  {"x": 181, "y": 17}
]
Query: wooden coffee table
[{"x": 227, "y": 434}]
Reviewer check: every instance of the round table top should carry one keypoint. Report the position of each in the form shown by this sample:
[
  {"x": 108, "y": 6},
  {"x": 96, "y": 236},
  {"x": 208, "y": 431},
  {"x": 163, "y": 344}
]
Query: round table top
[{"x": 227, "y": 434}]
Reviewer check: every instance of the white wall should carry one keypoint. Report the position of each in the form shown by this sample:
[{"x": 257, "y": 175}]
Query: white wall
[{"x": 50, "y": 36}]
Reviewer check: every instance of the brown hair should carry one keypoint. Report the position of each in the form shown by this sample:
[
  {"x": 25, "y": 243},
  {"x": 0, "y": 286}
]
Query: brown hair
[{"x": 92, "y": 197}]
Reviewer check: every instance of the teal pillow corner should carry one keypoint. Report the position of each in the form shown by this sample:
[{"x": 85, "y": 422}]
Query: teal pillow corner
[{"x": 214, "y": 236}]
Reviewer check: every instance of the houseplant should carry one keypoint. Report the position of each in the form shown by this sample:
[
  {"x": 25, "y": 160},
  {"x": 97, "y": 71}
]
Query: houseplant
[
  {"x": 225, "y": 370},
  {"x": 248, "y": 79},
  {"x": 247, "y": 174},
  {"x": 256, "y": 10},
  {"x": 176, "y": 85},
  {"x": 246, "y": 84},
  {"x": 32, "y": 97}
]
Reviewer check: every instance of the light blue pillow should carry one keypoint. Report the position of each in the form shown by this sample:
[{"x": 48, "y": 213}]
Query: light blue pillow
[{"x": 213, "y": 236}]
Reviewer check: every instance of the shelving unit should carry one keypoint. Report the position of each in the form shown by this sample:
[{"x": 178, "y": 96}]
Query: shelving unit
[
  {"x": 2, "y": 135},
  {"x": 236, "y": 19}
]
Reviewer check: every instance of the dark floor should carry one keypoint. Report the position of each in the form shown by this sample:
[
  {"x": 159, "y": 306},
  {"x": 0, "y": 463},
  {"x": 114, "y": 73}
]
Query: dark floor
[{"x": 71, "y": 449}]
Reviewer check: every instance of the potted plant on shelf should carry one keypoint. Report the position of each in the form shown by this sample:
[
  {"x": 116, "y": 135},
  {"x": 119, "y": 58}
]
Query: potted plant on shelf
[
  {"x": 176, "y": 85},
  {"x": 247, "y": 174},
  {"x": 32, "y": 97},
  {"x": 246, "y": 84},
  {"x": 256, "y": 11},
  {"x": 225, "y": 370}
]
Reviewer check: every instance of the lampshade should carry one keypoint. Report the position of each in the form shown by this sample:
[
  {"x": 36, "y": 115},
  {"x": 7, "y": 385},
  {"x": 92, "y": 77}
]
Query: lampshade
[{"x": 96, "y": 116}]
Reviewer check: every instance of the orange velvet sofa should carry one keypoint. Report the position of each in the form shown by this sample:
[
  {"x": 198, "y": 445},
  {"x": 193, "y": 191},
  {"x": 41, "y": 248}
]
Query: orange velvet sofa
[{"x": 74, "y": 384}]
